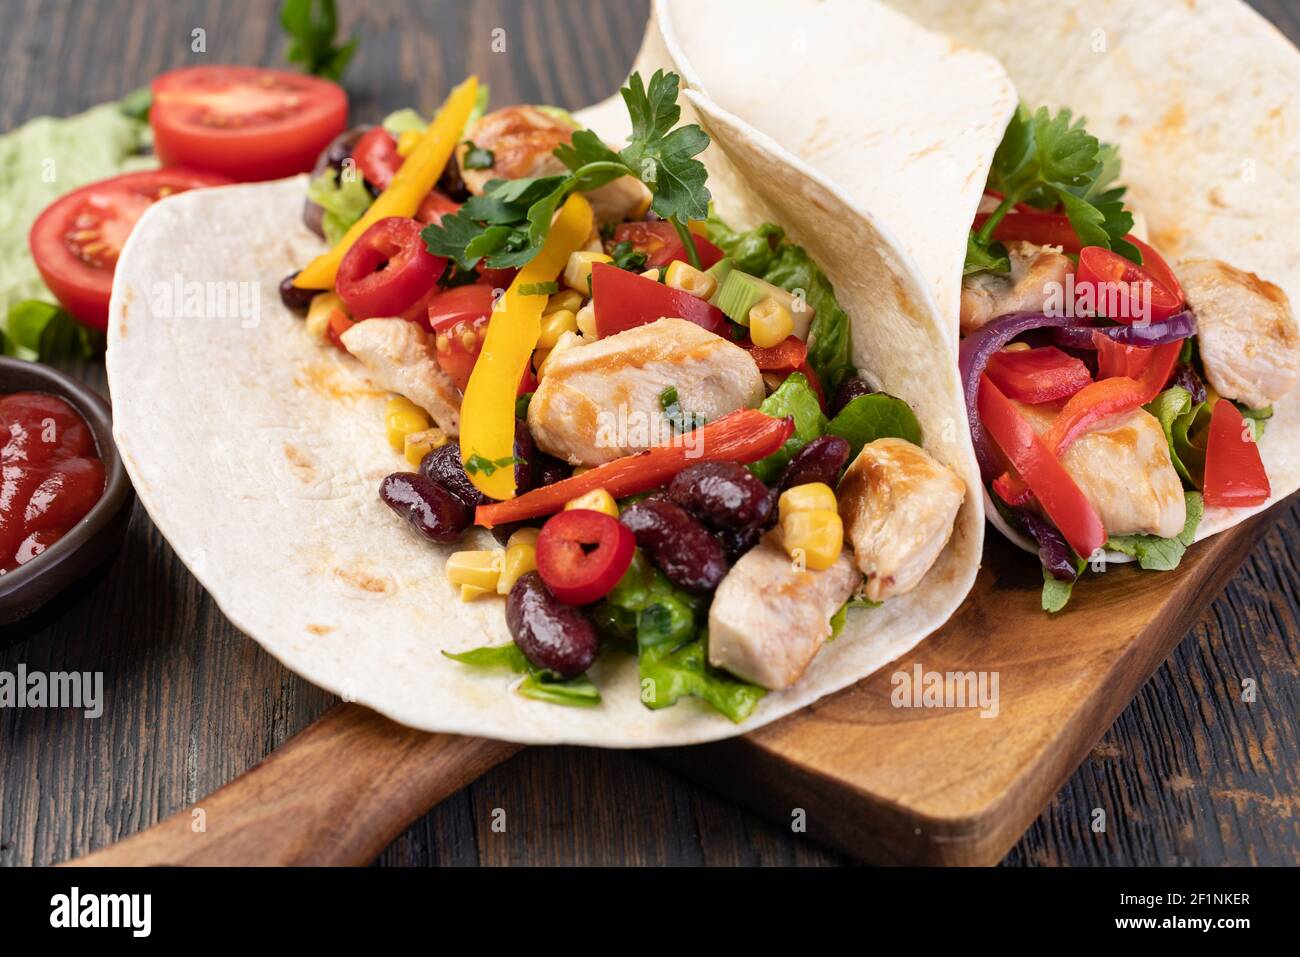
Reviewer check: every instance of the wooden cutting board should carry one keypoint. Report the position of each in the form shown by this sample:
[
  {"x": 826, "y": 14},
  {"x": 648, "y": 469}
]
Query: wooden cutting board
[{"x": 917, "y": 785}]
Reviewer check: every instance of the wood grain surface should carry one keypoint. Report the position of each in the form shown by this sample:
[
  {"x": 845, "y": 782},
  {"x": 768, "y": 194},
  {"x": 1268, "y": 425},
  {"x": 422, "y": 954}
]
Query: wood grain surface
[{"x": 1192, "y": 775}]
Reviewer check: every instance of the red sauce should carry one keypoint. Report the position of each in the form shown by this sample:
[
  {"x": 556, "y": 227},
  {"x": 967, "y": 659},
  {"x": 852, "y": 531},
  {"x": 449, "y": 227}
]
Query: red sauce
[{"x": 51, "y": 474}]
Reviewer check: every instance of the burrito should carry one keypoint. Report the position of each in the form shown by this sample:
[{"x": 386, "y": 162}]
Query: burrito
[
  {"x": 621, "y": 428},
  {"x": 1119, "y": 287}
]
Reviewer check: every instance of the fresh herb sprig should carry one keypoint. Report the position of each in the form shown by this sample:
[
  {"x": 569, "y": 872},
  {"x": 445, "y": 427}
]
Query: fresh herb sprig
[
  {"x": 507, "y": 225},
  {"x": 312, "y": 25},
  {"x": 1050, "y": 161}
]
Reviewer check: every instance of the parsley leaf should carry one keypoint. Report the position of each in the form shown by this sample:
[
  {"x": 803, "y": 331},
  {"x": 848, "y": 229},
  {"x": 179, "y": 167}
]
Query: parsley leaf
[
  {"x": 1052, "y": 162},
  {"x": 41, "y": 331},
  {"x": 477, "y": 463},
  {"x": 626, "y": 256},
  {"x": 476, "y": 157},
  {"x": 311, "y": 25},
  {"x": 678, "y": 418}
]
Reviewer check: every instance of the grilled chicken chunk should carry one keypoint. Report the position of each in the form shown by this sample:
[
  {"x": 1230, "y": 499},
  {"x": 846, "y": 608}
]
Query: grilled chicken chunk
[
  {"x": 1247, "y": 334},
  {"x": 898, "y": 505},
  {"x": 399, "y": 357},
  {"x": 522, "y": 139},
  {"x": 768, "y": 619},
  {"x": 986, "y": 295},
  {"x": 601, "y": 401},
  {"x": 1123, "y": 468}
]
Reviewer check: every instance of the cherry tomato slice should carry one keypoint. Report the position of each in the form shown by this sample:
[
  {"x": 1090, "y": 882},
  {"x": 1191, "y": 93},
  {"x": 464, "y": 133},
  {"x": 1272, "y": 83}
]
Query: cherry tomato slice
[
  {"x": 245, "y": 122},
  {"x": 1109, "y": 283},
  {"x": 1234, "y": 472},
  {"x": 624, "y": 300},
  {"x": 1037, "y": 375},
  {"x": 581, "y": 555},
  {"x": 387, "y": 270},
  {"x": 661, "y": 244},
  {"x": 77, "y": 239},
  {"x": 435, "y": 206},
  {"x": 459, "y": 318},
  {"x": 376, "y": 156}
]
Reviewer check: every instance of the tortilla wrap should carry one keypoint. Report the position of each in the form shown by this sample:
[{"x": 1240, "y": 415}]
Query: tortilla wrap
[
  {"x": 1211, "y": 156},
  {"x": 258, "y": 453}
]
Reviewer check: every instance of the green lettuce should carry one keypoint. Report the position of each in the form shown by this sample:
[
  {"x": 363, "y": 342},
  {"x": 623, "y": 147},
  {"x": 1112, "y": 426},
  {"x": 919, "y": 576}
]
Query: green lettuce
[
  {"x": 344, "y": 200},
  {"x": 538, "y": 683},
  {"x": 763, "y": 252},
  {"x": 796, "y": 398},
  {"x": 871, "y": 417},
  {"x": 1162, "y": 554},
  {"x": 663, "y": 622},
  {"x": 36, "y": 330}
]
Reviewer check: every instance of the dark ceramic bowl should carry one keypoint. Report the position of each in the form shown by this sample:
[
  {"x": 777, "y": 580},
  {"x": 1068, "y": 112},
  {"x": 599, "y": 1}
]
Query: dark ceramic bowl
[{"x": 95, "y": 537}]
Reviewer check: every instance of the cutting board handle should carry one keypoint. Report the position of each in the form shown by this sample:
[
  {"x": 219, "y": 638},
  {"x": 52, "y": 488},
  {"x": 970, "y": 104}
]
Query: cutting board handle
[{"x": 338, "y": 793}]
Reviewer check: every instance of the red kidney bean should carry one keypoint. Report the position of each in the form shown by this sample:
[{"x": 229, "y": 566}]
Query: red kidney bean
[
  {"x": 551, "y": 634},
  {"x": 442, "y": 466},
  {"x": 736, "y": 541},
  {"x": 294, "y": 298},
  {"x": 547, "y": 470},
  {"x": 430, "y": 509},
  {"x": 722, "y": 494},
  {"x": 677, "y": 543},
  {"x": 818, "y": 461},
  {"x": 525, "y": 457},
  {"x": 849, "y": 390}
]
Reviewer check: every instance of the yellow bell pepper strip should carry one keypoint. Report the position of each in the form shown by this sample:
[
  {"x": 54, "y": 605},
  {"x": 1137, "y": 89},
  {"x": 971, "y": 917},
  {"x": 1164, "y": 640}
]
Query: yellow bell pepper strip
[
  {"x": 412, "y": 182},
  {"x": 487, "y": 413}
]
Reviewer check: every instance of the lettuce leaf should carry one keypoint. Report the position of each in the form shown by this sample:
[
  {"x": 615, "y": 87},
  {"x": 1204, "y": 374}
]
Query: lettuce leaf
[
  {"x": 344, "y": 202},
  {"x": 1162, "y": 554},
  {"x": 538, "y": 683},
  {"x": 794, "y": 397},
  {"x": 871, "y": 417}
]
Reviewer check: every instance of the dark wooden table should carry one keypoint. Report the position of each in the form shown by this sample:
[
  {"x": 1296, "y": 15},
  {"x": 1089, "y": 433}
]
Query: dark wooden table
[{"x": 191, "y": 702}]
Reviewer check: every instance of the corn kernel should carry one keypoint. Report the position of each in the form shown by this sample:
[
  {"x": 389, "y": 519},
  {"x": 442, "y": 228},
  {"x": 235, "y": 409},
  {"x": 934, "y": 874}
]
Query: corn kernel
[
  {"x": 1016, "y": 347},
  {"x": 567, "y": 299},
  {"x": 580, "y": 469},
  {"x": 521, "y": 558},
  {"x": 586, "y": 320},
  {"x": 539, "y": 358},
  {"x": 568, "y": 340},
  {"x": 523, "y": 536},
  {"x": 688, "y": 279},
  {"x": 770, "y": 323},
  {"x": 577, "y": 272},
  {"x": 817, "y": 535},
  {"x": 401, "y": 418},
  {"x": 319, "y": 312},
  {"x": 470, "y": 592},
  {"x": 806, "y": 498},
  {"x": 480, "y": 568},
  {"x": 420, "y": 444},
  {"x": 598, "y": 500},
  {"x": 651, "y": 274},
  {"x": 554, "y": 326},
  {"x": 406, "y": 142}
]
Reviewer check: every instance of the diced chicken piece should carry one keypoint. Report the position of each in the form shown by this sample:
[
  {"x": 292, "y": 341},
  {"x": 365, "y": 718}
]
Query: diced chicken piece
[
  {"x": 602, "y": 401},
  {"x": 522, "y": 140},
  {"x": 769, "y": 619},
  {"x": 1247, "y": 334},
  {"x": 1036, "y": 271},
  {"x": 399, "y": 356},
  {"x": 1123, "y": 468},
  {"x": 898, "y": 504}
]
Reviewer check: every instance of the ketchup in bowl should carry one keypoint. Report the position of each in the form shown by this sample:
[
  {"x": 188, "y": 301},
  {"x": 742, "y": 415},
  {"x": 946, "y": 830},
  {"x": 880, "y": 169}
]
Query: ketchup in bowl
[{"x": 50, "y": 474}]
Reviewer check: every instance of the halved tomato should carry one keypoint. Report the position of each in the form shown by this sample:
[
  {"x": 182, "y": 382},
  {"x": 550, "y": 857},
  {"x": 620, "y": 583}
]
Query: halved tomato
[
  {"x": 459, "y": 320},
  {"x": 245, "y": 122},
  {"x": 661, "y": 244},
  {"x": 77, "y": 239}
]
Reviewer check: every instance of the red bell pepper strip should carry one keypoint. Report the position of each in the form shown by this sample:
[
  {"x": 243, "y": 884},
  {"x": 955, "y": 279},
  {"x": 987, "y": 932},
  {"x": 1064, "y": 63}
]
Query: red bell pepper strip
[
  {"x": 744, "y": 436},
  {"x": 1061, "y": 498},
  {"x": 1234, "y": 472},
  {"x": 1102, "y": 399},
  {"x": 1038, "y": 375},
  {"x": 624, "y": 300},
  {"x": 786, "y": 356}
]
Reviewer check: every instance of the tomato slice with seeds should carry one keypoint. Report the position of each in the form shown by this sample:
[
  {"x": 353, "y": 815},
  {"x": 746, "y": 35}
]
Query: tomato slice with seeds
[
  {"x": 661, "y": 244},
  {"x": 376, "y": 156},
  {"x": 582, "y": 553},
  {"x": 245, "y": 122},
  {"x": 77, "y": 239},
  {"x": 459, "y": 319}
]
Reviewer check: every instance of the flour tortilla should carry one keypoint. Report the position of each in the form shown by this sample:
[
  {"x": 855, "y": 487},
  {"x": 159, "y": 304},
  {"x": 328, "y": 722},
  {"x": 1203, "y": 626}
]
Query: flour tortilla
[
  {"x": 258, "y": 454},
  {"x": 1202, "y": 96}
]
